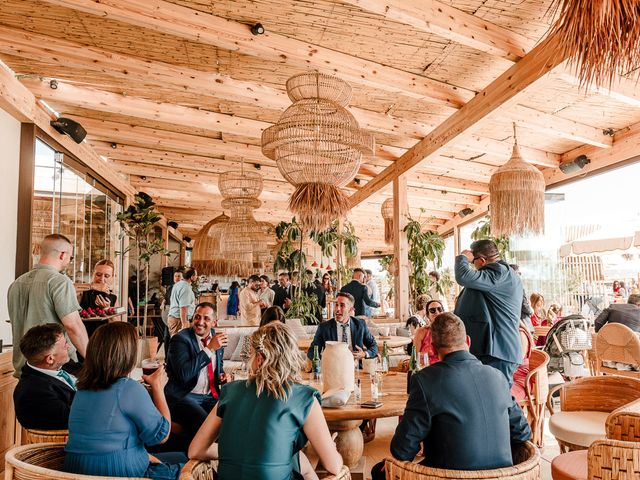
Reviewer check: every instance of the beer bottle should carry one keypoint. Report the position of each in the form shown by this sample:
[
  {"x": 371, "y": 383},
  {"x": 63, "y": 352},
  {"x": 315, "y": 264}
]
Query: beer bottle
[
  {"x": 385, "y": 357},
  {"x": 413, "y": 367},
  {"x": 315, "y": 364}
]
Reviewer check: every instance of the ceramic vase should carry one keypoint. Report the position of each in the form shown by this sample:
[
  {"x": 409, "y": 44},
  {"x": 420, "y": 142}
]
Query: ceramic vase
[{"x": 337, "y": 367}]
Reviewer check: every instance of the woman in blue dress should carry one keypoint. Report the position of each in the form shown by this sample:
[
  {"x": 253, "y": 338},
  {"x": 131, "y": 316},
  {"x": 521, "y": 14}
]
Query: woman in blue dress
[
  {"x": 262, "y": 423},
  {"x": 112, "y": 416},
  {"x": 233, "y": 302}
]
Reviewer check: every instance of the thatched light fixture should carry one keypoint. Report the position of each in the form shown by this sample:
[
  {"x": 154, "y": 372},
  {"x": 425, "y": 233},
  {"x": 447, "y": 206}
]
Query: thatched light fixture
[
  {"x": 387, "y": 214},
  {"x": 601, "y": 36},
  {"x": 317, "y": 145},
  {"x": 516, "y": 193}
]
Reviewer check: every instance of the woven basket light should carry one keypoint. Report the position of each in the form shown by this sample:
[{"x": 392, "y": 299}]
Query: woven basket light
[
  {"x": 240, "y": 184},
  {"x": 516, "y": 192},
  {"x": 318, "y": 146},
  {"x": 387, "y": 214}
]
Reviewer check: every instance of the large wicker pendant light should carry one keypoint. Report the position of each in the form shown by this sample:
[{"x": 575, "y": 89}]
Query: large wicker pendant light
[
  {"x": 601, "y": 36},
  {"x": 387, "y": 215},
  {"x": 516, "y": 193},
  {"x": 318, "y": 146}
]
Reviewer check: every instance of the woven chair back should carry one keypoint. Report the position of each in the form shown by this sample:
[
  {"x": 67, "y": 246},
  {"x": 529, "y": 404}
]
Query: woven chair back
[
  {"x": 536, "y": 393},
  {"x": 43, "y": 461},
  {"x": 598, "y": 394},
  {"x": 617, "y": 343},
  {"x": 525, "y": 456},
  {"x": 31, "y": 436},
  {"x": 624, "y": 423},
  {"x": 613, "y": 459},
  {"x": 198, "y": 470}
]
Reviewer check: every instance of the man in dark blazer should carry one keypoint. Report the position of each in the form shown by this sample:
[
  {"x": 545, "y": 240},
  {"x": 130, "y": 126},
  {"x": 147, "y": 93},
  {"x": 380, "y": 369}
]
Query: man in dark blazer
[
  {"x": 460, "y": 410},
  {"x": 627, "y": 314},
  {"x": 284, "y": 292},
  {"x": 359, "y": 291},
  {"x": 345, "y": 328},
  {"x": 44, "y": 393},
  {"x": 195, "y": 370},
  {"x": 490, "y": 306}
]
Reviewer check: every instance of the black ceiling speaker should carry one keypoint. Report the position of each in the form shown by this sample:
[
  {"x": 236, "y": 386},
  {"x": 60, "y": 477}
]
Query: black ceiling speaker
[
  {"x": 465, "y": 212},
  {"x": 575, "y": 165},
  {"x": 173, "y": 225},
  {"x": 187, "y": 239},
  {"x": 70, "y": 127}
]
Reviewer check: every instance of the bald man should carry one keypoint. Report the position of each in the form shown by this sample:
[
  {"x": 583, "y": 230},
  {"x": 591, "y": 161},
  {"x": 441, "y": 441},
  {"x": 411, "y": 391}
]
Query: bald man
[{"x": 45, "y": 295}]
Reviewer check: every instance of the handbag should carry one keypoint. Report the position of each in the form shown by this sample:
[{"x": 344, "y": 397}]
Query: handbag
[
  {"x": 573, "y": 364},
  {"x": 575, "y": 338}
]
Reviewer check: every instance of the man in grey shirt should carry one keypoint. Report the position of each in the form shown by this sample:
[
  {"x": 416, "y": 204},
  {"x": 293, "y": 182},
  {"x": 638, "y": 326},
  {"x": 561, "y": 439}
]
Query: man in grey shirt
[
  {"x": 45, "y": 295},
  {"x": 183, "y": 302}
]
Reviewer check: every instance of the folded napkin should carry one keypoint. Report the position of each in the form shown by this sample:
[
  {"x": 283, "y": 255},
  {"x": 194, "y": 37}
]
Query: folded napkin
[{"x": 336, "y": 397}]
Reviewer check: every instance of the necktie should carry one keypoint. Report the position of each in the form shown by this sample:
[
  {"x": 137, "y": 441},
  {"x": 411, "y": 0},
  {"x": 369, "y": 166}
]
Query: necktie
[
  {"x": 67, "y": 378},
  {"x": 212, "y": 383},
  {"x": 344, "y": 333}
]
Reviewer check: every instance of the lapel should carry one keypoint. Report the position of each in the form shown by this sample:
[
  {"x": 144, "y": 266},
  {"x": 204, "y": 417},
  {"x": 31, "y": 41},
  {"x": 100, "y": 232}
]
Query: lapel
[
  {"x": 28, "y": 371},
  {"x": 354, "y": 331}
]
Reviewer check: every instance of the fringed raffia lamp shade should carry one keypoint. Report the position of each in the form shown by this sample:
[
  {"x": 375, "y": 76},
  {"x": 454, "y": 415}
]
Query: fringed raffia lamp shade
[
  {"x": 318, "y": 146},
  {"x": 516, "y": 193},
  {"x": 601, "y": 36},
  {"x": 387, "y": 215}
]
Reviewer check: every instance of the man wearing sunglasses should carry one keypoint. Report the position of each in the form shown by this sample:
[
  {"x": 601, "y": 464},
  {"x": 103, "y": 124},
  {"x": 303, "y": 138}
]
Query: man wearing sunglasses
[{"x": 489, "y": 305}]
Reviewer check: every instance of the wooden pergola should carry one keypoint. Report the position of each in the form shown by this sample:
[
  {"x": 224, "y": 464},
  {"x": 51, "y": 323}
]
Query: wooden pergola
[{"x": 172, "y": 93}]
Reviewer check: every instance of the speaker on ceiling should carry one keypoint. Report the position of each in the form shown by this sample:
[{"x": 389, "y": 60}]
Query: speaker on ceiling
[
  {"x": 69, "y": 127},
  {"x": 173, "y": 224},
  {"x": 574, "y": 165}
]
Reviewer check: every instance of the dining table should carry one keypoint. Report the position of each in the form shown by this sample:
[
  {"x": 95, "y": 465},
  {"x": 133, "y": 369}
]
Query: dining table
[{"x": 393, "y": 341}]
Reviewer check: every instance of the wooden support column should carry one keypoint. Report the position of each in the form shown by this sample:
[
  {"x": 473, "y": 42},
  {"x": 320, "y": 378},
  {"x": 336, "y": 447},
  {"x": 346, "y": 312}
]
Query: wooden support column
[{"x": 401, "y": 248}]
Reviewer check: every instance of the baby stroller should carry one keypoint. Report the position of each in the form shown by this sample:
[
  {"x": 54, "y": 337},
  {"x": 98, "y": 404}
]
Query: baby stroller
[{"x": 565, "y": 342}]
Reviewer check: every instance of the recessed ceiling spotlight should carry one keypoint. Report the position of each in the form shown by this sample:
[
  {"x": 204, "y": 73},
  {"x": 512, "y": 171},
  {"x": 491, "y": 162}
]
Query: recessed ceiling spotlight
[{"x": 257, "y": 29}]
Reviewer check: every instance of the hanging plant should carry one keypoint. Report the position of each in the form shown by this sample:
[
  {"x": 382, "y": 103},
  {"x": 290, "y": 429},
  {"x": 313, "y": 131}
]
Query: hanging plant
[
  {"x": 425, "y": 248},
  {"x": 483, "y": 232}
]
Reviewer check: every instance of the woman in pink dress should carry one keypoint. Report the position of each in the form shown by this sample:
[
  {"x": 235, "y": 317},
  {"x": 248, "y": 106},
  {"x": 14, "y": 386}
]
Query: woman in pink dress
[{"x": 422, "y": 337}]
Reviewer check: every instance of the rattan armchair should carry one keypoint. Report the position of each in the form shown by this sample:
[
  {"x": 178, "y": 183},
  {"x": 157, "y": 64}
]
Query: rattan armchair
[
  {"x": 526, "y": 458},
  {"x": 536, "y": 389},
  {"x": 202, "y": 470},
  {"x": 617, "y": 343},
  {"x": 593, "y": 397},
  {"x": 43, "y": 461},
  {"x": 30, "y": 436}
]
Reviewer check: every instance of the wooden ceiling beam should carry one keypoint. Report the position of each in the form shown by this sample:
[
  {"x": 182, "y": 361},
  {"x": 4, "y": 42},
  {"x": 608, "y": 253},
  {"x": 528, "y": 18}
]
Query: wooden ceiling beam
[{"x": 500, "y": 93}]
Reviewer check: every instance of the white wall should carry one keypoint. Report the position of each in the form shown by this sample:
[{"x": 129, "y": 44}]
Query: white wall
[{"x": 9, "y": 163}]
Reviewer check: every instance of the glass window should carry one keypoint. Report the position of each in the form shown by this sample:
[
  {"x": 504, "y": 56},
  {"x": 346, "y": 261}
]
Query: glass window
[{"x": 73, "y": 205}]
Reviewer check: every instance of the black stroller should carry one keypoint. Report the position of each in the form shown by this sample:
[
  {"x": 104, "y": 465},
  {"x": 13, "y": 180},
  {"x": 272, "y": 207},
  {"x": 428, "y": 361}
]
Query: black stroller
[{"x": 565, "y": 343}]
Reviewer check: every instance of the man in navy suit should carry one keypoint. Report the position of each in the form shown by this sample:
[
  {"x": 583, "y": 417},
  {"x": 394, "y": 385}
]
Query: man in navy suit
[
  {"x": 44, "y": 393},
  {"x": 359, "y": 291},
  {"x": 460, "y": 410},
  {"x": 347, "y": 329},
  {"x": 194, "y": 367}
]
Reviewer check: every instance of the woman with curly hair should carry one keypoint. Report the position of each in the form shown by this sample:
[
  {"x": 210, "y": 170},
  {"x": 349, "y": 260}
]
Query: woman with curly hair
[{"x": 280, "y": 412}]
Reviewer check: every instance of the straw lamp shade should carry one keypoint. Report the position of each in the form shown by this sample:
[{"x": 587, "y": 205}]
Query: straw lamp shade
[
  {"x": 516, "y": 193},
  {"x": 387, "y": 214},
  {"x": 318, "y": 146},
  {"x": 601, "y": 36}
]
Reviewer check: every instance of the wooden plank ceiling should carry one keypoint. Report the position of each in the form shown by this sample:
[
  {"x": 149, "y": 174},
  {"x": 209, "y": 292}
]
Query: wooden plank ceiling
[{"x": 174, "y": 92}]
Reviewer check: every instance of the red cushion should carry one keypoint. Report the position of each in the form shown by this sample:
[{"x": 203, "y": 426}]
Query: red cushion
[{"x": 570, "y": 466}]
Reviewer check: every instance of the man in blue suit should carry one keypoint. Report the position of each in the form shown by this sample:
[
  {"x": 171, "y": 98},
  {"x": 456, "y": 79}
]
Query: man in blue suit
[
  {"x": 460, "y": 410},
  {"x": 195, "y": 370},
  {"x": 359, "y": 292},
  {"x": 490, "y": 306},
  {"x": 345, "y": 328}
]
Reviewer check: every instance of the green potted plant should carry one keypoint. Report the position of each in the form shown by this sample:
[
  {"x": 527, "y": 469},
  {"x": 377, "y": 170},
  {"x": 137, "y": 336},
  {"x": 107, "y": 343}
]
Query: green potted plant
[
  {"x": 425, "y": 247},
  {"x": 483, "y": 232}
]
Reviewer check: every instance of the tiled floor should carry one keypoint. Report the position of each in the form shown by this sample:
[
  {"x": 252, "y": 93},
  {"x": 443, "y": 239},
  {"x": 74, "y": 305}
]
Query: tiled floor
[{"x": 376, "y": 450}]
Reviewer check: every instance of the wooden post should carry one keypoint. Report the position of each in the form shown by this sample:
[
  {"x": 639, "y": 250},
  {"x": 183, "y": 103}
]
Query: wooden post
[
  {"x": 164, "y": 229},
  {"x": 401, "y": 248},
  {"x": 456, "y": 252}
]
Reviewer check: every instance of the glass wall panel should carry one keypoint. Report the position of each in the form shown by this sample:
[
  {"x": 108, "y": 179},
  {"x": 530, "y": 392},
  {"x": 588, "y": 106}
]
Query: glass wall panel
[{"x": 72, "y": 204}]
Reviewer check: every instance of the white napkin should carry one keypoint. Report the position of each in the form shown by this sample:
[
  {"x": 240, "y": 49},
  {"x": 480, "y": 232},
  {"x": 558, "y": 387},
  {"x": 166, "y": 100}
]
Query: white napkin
[{"x": 336, "y": 397}]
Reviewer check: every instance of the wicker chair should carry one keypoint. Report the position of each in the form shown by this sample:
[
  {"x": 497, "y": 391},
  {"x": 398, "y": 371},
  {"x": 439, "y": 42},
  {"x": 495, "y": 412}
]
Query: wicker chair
[
  {"x": 617, "y": 343},
  {"x": 536, "y": 391},
  {"x": 43, "y": 461},
  {"x": 526, "y": 460},
  {"x": 594, "y": 398},
  {"x": 199, "y": 470},
  {"x": 30, "y": 436}
]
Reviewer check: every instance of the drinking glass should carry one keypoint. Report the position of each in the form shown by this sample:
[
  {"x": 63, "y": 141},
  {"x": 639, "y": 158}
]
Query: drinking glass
[
  {"x": 150, "y": 365},
  {"x": 381, "y": 370}
]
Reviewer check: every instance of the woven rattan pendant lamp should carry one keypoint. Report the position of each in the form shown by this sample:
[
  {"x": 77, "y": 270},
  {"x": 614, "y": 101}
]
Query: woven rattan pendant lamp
[
  {"x": 516, "y": 193},
  {"x": 387, "y": 214},
  {"x": 318, "y": 146}
]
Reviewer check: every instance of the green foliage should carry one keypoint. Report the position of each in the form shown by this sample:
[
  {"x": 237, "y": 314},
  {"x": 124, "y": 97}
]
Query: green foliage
[
  {"x": 304, "y": 307},
  {"x": 386, "y": 263},
  {"x": 289, "y": 257},
  {"x": 426, "y": 248},
  {"x": 483, "y": 232}
]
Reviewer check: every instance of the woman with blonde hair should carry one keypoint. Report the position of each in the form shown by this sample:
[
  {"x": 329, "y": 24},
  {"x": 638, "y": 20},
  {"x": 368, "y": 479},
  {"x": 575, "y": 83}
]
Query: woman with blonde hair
[
  {"x": 280, "y": 412},
  {"x": 539, "y": 316}
]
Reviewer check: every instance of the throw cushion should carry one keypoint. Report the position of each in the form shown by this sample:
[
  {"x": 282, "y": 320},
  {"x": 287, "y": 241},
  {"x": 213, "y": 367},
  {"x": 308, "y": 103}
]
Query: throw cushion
[
  {"x": 403, "y": 332},
  {"x": 570, "y": 466},
  {"x": 578, "y": 428},
  {"x": 232, "y": 343},
  {"x": 235, "y": 356}
]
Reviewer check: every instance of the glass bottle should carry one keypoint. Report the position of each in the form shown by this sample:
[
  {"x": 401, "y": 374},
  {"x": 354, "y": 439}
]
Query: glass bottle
[
  {"x": 385, "y": 357},
  {"x": 315, "y": 364},
  {"x": 413, "y": 367}
]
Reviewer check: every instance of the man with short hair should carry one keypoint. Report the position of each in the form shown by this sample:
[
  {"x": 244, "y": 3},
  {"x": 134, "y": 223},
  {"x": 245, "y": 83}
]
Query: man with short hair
[
  {"x": 372, "y": 289},
  {"x": 284, "y": 292},
  {"x": 44, "y": 392},
  {"x": 490, "y": 306},
  {"x": 358, "y": 290},
  {"x": 627, "y": 314},
  {"x": 182, "y": 302},
  {"x": 459, "y": 409},
  {"x": 195, "y": 370},
  {"x": 45, "y": 295},
  {"x": 345, "y": 328},
  {"x": 250, "y": 303}
]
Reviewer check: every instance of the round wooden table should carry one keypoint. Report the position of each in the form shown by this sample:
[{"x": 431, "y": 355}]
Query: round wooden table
[
  {"x": 346, "y": 420},
  {"x": 392, "y": 342}
]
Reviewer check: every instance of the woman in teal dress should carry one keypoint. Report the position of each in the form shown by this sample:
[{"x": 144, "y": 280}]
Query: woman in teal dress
[
  {"x": 112, "y": 416},
  {"x": 261, "y": 424}
]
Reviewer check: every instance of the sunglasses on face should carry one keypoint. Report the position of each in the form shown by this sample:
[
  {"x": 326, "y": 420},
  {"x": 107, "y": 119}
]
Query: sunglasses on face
[{"x": 433, "y": 310}]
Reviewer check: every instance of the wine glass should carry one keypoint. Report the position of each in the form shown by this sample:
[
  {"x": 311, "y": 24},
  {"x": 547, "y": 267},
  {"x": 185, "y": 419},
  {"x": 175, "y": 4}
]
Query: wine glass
[{"x": 382, "y": 368}]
